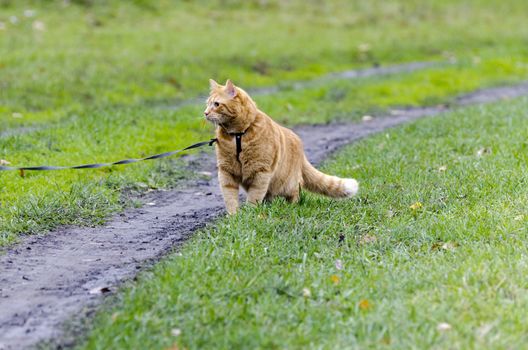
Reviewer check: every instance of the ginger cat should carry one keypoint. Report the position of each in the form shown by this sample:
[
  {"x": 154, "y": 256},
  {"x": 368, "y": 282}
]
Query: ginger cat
[{"x": 266, "y": 159}]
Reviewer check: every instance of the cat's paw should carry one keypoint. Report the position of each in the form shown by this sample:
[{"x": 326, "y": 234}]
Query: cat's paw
[{"x": 351, "y": 187}]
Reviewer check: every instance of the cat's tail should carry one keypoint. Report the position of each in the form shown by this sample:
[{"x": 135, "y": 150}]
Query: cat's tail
[{"x": 332, "y": 186}]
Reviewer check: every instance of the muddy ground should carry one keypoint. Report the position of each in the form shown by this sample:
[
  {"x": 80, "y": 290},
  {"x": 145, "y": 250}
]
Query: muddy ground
[{"x": 47, "y": 280}]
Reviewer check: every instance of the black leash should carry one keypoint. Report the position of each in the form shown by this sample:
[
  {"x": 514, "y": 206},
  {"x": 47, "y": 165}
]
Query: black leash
[{"x": 101, "y": 165}]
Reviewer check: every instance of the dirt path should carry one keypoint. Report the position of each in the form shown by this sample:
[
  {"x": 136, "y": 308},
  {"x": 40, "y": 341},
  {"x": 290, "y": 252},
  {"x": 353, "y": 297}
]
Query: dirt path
[
  {"x": 295, "y": 85},
  {"x": 46, "y": 280}
]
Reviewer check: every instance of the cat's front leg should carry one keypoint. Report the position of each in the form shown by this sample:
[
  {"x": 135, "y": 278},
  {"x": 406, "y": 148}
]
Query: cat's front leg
[
  {"x": 230, "y": 188},
  {"x": 259, "y": 188}
]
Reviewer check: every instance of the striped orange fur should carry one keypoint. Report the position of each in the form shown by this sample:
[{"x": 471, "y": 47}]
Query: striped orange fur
[{"x": 272, "y": 162}]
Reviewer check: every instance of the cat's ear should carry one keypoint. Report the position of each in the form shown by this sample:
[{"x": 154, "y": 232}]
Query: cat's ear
[
  {"x": 213, "y": 84},
  {"x": 230, "y": 89}
]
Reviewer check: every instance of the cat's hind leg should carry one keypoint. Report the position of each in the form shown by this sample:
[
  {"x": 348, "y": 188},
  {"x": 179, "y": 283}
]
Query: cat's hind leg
[{"x": 293, "y": 196}]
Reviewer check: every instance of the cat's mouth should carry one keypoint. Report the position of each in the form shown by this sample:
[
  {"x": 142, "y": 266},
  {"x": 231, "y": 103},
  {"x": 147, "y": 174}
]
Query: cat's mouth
[{"x": 216, "y": 120}]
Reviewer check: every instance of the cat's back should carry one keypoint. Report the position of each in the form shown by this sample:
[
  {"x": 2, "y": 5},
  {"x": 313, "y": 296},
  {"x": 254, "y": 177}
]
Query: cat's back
[{"x": 287, "y": 134}]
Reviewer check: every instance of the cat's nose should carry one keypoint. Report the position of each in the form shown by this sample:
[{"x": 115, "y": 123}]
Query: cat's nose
[{"x": 206, "y": 113}]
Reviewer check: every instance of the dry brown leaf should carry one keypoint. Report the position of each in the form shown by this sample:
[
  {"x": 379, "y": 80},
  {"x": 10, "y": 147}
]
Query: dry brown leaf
[
  {"x": 364, "y": 304},
  {"x": 416, "y": 206},
  {"x": 365, "y": 239},
  {"x": 386, "y": 340},
  {"x": 335, "y": 279}
]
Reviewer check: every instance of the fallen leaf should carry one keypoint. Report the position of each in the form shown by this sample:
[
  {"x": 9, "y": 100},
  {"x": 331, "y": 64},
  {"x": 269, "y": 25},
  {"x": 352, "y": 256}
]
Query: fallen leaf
[
  {"x": 416, "y": 206},
  {"x": 483, "y": 151},
  {"x": 175, "y": 332},
  {"x": 39, "y": 26},
  {"x": 442, "y": 168},
  {"x": 364, "y": 304},
  {"x": 306, "y": 293},
  {"x": 100, "y": 290},
  {"x": 449, "y": 246},
  {"x": 205, "y": 173},
  {"x": 443, "y": 327},
  {"x": 335, "y": 279},
  {"x": 4, "y": 162},
  {"x": 367, "y": 118},
  {"x": 339, "y": 264},
  {"x": 365, "y": 239}
]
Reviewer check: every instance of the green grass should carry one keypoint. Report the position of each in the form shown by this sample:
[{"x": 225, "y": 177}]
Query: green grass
[
  {"x": 98, "y": 82},
  {"x": 157, "y": 51},
  {"x": 270, "y": 276},
  {"x": 29, "y": 205}
]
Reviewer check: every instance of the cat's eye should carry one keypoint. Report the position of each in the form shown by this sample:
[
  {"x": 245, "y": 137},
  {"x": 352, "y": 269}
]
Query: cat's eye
[{"x": 216, "y": 104}]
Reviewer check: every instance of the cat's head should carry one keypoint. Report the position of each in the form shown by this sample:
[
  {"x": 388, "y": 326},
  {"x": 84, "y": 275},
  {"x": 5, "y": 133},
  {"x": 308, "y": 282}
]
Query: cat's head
[{"x": 228, "y": 105}]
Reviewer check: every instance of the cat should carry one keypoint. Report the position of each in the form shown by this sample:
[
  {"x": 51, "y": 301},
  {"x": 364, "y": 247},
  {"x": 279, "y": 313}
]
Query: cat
[{"x": 255, "y": 152}]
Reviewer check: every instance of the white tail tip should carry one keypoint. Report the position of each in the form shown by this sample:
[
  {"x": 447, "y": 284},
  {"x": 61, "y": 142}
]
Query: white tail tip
[{"x": 351, "y": 187}]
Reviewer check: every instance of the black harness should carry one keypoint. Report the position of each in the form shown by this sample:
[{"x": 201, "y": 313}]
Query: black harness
[{"x": 238, "y": 140}]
